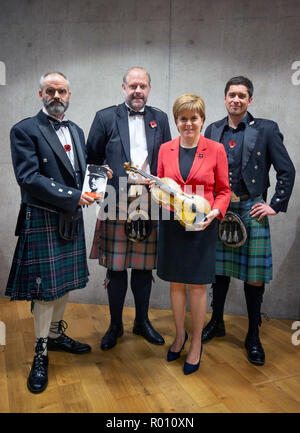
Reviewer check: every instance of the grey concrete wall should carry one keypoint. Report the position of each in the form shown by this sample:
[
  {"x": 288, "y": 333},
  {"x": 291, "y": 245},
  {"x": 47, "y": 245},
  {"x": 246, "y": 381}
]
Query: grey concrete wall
[{"x": 191, "y": 45}]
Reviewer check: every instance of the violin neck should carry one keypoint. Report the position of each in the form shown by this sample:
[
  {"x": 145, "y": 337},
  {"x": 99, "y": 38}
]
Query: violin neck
[{"x": 163, "y": 186}]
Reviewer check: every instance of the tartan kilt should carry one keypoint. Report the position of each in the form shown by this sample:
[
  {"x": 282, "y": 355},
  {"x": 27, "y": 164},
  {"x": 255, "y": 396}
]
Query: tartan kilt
[
  {"x": 252, "y": 262},
  {"x": 116, "y": 252},
  {"x": 45, "y": 267}
]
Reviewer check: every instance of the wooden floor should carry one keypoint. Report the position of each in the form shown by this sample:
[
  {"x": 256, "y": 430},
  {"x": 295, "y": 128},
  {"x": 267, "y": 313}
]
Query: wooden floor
[{"x": 135, "y": 377}]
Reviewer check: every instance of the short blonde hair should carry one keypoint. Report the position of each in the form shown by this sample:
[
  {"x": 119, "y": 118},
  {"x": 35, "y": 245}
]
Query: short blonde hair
[{"x": 189, "y": 102}]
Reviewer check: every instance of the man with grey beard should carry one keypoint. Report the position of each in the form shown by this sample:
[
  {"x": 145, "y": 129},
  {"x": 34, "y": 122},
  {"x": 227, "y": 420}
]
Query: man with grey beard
[{"x": 48, "y": 155}]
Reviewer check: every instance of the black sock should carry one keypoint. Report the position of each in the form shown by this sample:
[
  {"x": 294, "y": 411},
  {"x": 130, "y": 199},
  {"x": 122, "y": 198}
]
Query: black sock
[
  {"x": 220, "y": 289},
  {"x": 141, "y": 282},
  {"x": 254, "y": 298},
  {"x": 116, "y": 291}
]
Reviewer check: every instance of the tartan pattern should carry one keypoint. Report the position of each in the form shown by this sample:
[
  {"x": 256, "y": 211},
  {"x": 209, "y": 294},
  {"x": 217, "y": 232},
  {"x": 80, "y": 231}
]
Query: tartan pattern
[
  {"x": 252, "y": 262},
  {"x": 116, "y": 252},
  {"x": 45, "y": 266}
]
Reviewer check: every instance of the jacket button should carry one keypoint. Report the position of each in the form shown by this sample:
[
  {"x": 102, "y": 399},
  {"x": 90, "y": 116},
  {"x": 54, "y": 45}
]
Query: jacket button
[
  {"x": 258, "y": 153},
  {"x": 70, "y": 192},
  {"x": 278, "y": 199},
  {"x": 52, "y": 184},
  {"x": 60, "y": 190},
  {"x": 255, "y": 167},
  {"x": 253, "y": 180}
]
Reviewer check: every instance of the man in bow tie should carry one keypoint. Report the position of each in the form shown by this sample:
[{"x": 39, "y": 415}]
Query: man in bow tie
[
  {"x": 48, "y": 155},
  {"x": 252, "y": 145},
  {"x": 133, "y": 132}
]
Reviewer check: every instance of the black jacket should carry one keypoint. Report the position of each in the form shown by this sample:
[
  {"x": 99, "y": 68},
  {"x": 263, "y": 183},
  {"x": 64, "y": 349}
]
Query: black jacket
[
  {"x": 108, "y": 141},
  {"x": 41, "y": 165},
  {"x": 263, "y": 146}
]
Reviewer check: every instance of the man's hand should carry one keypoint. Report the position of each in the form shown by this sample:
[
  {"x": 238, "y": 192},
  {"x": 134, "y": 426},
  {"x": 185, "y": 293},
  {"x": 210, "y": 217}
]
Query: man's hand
[
  {"x": 109, "y": 171},
  {"x": 260, "y": 210},
  {"x": 85, "y": 200}
]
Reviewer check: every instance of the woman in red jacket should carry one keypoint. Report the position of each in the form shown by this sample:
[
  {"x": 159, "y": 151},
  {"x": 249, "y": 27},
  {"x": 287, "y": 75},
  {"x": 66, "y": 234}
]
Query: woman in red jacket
[{"x": 188, "y": 257}]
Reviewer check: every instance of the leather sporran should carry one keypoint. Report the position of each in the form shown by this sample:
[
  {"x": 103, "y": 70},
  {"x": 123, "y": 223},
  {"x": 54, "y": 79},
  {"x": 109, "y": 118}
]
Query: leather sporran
[
  {"x": 69, "y": 224},
  {"x": 138, "y": 226},
  {"x": 232, "y": 231}
]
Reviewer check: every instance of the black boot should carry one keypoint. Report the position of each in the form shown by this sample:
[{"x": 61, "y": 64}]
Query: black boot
[
  {"x": 116, "y": 291},
  {"x": 254, "y": 298},
  {"x": 38, "y": 377},
  {"x": 216, "y": 326}
]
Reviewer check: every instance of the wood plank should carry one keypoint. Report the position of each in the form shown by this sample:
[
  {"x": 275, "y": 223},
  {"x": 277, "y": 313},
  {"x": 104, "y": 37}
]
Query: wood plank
[{"x": 134, "y": 376}]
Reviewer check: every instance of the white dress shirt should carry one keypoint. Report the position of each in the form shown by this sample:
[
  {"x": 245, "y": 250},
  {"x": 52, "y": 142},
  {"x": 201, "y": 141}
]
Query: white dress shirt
[
  {"x": 64, "y": 136},
  {"x": 138, "y": 145}
]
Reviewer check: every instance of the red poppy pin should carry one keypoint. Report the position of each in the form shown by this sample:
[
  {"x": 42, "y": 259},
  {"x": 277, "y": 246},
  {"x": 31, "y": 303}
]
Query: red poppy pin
[
  {"x": 153, "y": 124},
  {"x": 232, "y": 144},
  {"x": 67, "y": 147}
]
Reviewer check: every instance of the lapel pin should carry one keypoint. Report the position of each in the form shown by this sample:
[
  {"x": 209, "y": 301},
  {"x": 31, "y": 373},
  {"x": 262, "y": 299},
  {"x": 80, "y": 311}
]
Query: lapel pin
[
  {"x": 153, "y": 124},
  {"x": 251, "y": 123},
  {"x": 45, "y": 160}
]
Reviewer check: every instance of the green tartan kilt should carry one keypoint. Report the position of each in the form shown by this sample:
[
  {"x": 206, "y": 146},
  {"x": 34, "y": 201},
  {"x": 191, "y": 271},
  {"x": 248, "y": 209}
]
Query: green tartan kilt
[
  {"x": 45, "y": 267},
  {"x": 252, "y": 262}
]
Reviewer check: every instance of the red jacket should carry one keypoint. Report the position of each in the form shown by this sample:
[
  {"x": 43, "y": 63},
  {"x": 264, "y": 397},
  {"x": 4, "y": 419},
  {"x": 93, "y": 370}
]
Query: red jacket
[{"x": 209, "y": 169}]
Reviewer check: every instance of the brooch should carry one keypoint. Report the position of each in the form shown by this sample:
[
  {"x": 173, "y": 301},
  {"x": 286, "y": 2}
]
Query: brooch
[
  {"x": 153, "y": 124},
  {"x": 67, "y": 147}
]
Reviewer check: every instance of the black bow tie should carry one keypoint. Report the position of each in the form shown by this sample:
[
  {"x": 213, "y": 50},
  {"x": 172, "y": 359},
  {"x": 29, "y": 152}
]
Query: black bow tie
[
  {"x": 57, "y": 124},
  {"x": 136, "y": 113}
]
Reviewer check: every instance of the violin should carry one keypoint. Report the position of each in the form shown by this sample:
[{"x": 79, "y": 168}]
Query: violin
[{"x": 190, "y": 209}]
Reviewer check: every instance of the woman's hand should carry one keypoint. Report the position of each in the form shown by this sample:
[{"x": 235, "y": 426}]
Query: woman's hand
[
  {"x": 210, "y": 217},
  {"x": 151, "y": 183}
]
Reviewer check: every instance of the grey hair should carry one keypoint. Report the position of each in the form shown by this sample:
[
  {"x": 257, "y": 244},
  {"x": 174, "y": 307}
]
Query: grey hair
[
  {"x": 136, "y": 67},
  {"x": 42, "y": 79}
]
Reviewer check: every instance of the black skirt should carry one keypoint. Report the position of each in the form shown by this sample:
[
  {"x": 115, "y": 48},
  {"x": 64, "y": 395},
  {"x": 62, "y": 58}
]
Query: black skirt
[{"x": 186, "y": 256}]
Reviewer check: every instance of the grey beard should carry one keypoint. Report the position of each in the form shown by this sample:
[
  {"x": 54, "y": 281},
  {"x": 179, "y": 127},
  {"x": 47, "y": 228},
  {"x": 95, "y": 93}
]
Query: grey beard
[{"x": 54, "y": 109}]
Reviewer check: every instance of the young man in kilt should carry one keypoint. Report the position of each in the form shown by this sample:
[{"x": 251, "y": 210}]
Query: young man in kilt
[
  {"x": 252, "y": 146},
  {"x": 131, "y": 132},
  {"x": 48, "y": 154}
]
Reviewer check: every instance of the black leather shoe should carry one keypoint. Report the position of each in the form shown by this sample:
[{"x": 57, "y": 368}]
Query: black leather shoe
[
  {"x": 109, "y": 339},
  {"x": 38, "y": 377},
  {"x": 213, "y": 329},
  {"x": 147, "y": 331},
  {"x": 255, "y": 351},
  {"x": 67, "y": 344}
]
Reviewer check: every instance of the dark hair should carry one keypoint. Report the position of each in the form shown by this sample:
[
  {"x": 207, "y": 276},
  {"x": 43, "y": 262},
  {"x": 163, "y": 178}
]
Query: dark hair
[{"x": 236, "y": 81}]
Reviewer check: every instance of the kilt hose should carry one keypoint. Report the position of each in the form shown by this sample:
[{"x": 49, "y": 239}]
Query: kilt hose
[
  {"x": 252, "y": 262},
  {"x": 45, "y": 267},
  {"x": 116, "y": 252}
]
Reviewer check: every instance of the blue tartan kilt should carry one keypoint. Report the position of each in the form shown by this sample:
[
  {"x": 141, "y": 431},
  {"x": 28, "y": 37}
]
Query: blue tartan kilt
[
  {"x": 45, "y": 267},
  {"x": 252, "y": 262}
]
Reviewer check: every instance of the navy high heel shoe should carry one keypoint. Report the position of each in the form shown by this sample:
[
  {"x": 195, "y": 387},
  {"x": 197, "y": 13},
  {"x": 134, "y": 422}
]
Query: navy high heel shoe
[
  {"x": 191, "y": 368},
  {"x": 172, "y": 356}
]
